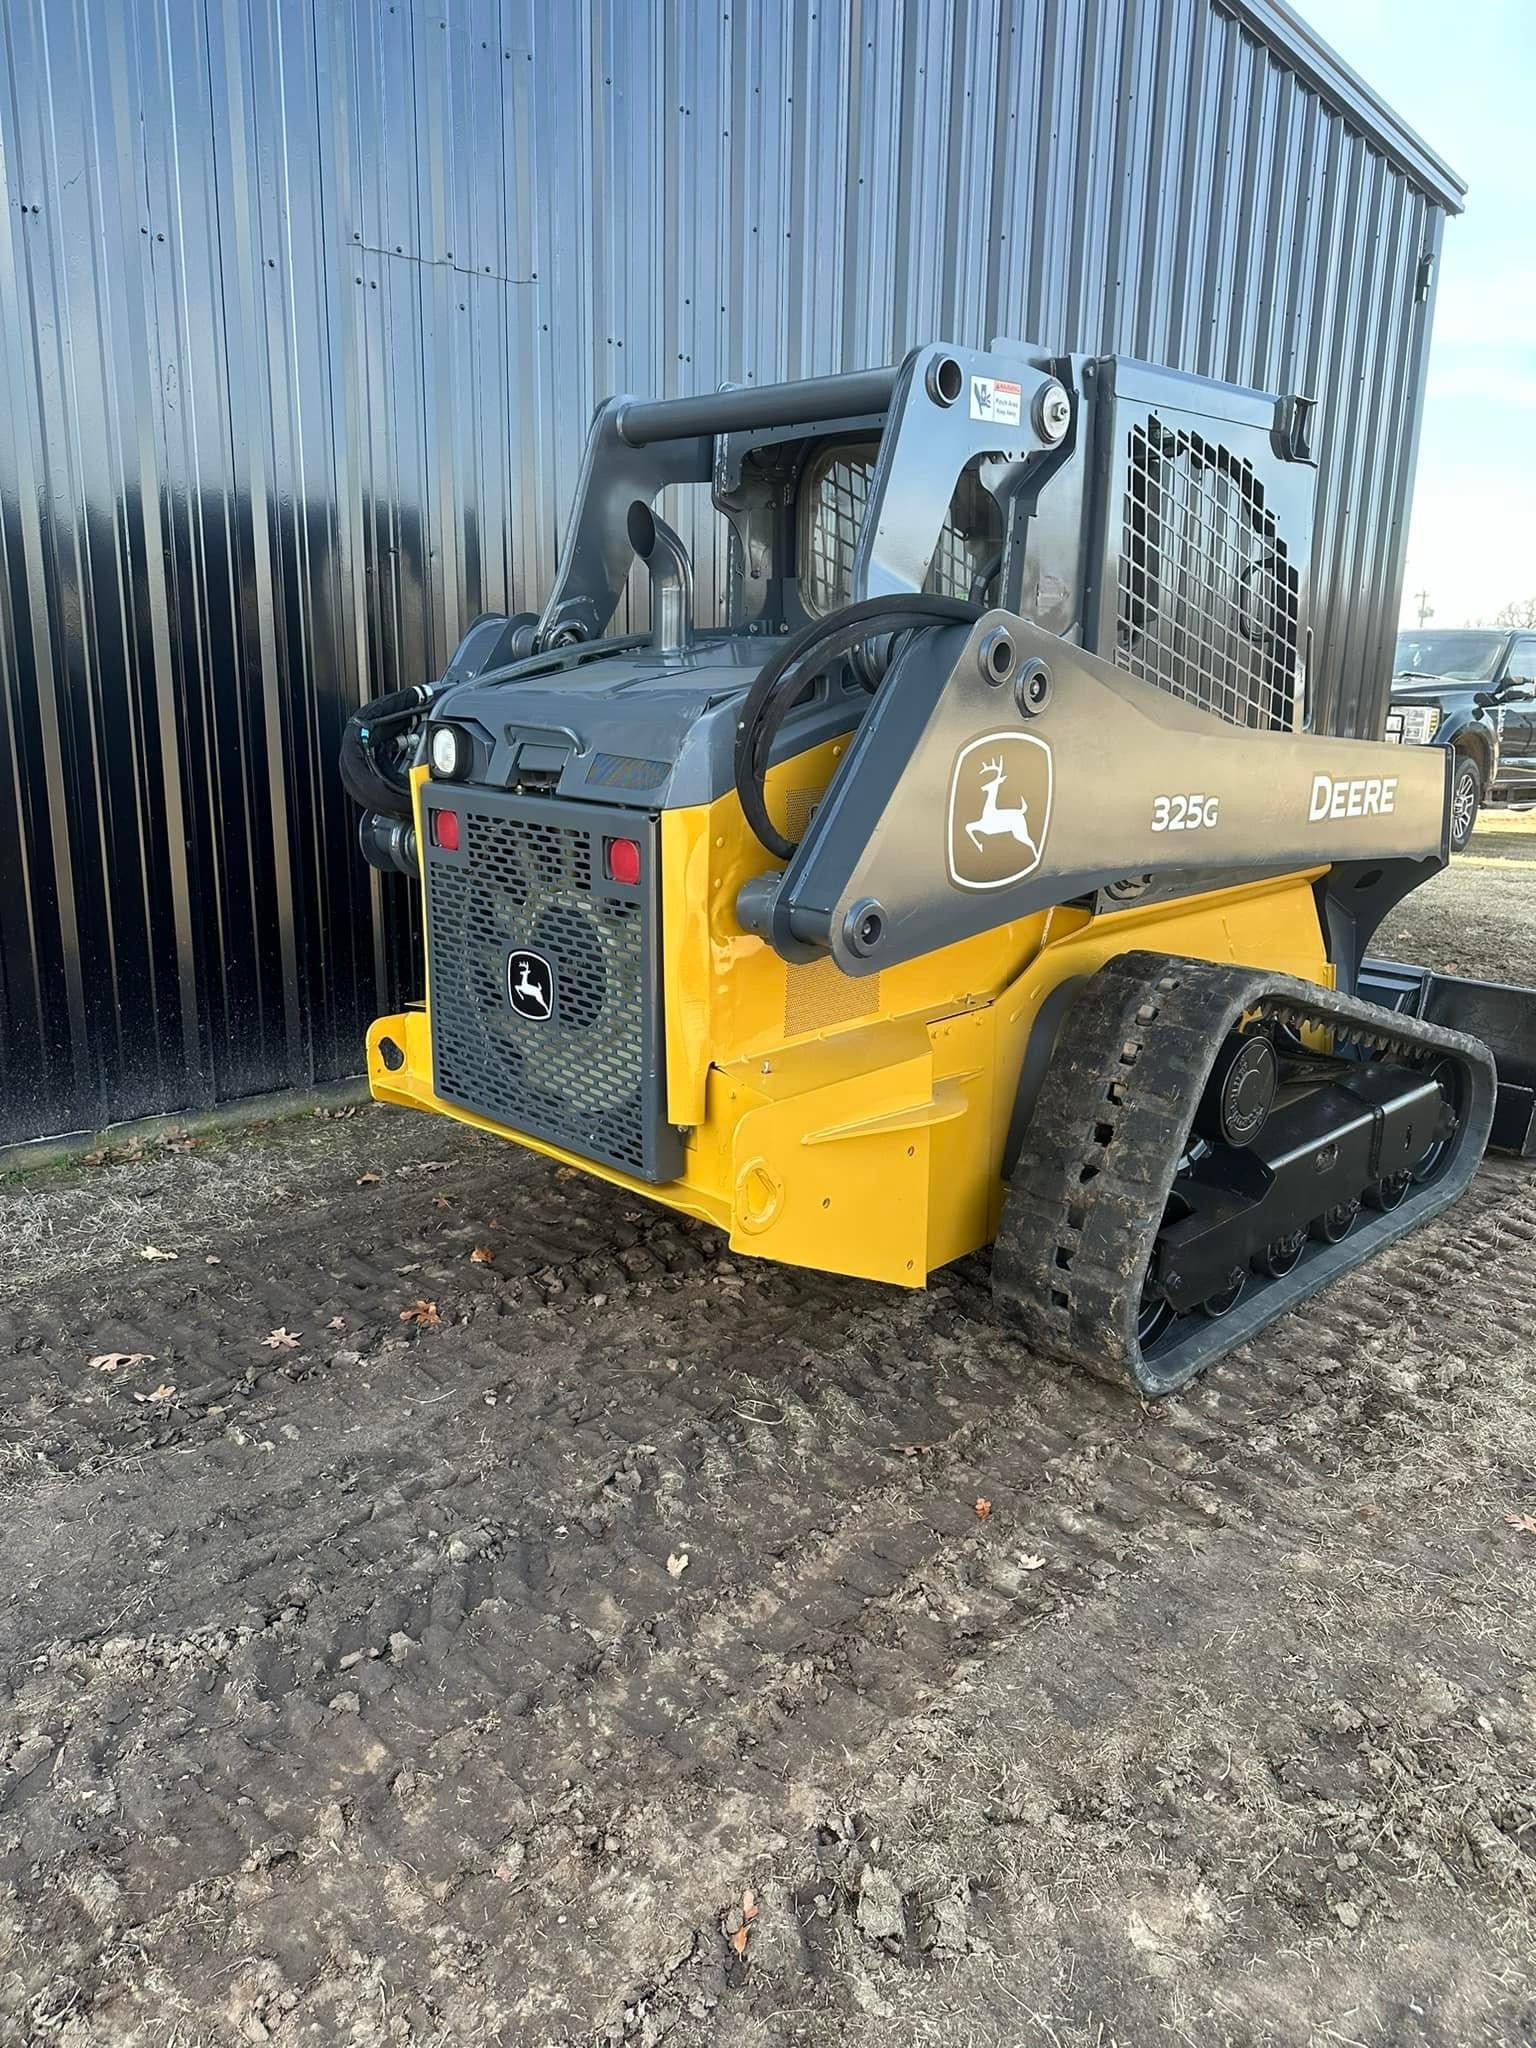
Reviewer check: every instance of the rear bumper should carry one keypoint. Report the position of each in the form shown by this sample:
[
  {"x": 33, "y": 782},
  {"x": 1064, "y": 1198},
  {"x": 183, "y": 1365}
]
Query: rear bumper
[
  {"x": 826, "y": 1156},
  {"x": 1502, "y": 1016},
  {"x": 400, "y": 1072}
]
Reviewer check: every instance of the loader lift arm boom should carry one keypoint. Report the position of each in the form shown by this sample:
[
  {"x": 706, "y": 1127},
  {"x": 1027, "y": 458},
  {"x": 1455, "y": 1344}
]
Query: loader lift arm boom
[{"x": 1000, "y": 770}]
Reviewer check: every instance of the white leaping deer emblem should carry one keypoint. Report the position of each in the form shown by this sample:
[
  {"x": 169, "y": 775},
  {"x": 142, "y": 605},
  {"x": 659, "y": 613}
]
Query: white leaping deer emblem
[
  {"x": 1000, "y": 820},
  {"x": 528, "y": 990}
]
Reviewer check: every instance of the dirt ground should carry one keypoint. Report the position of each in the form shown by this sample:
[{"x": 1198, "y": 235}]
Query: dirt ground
[{"x": 616, "y": 1654}]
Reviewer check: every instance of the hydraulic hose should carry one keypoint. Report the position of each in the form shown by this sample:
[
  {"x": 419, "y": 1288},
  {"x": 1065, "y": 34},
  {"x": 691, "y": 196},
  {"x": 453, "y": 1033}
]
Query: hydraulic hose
[
  {"x": 985, "y": 576},
  {"x": 780, "y": 681},
  {"x": 374, "y": 783},
  {"x": 377, "y": 776}
]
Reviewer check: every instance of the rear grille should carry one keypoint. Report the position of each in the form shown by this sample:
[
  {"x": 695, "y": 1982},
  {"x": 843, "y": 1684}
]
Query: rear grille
[
  {"x": 527, "y": 879},
  {"x": 1208, "y": 594}
]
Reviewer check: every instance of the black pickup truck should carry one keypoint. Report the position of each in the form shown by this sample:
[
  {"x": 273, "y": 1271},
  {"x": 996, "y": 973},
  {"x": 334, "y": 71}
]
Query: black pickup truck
[{"x": 1473, "y": 690}]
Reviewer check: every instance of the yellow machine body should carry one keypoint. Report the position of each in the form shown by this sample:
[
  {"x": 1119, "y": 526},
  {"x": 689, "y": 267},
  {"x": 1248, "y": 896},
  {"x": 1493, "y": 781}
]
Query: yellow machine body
[{"x": 858, "y": 1125}]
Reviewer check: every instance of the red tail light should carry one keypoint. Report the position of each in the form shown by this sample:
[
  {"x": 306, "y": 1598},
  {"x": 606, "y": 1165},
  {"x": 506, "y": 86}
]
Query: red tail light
[
  {"x": 623, "y": 861},
  {"x": 445, "y": 830}
]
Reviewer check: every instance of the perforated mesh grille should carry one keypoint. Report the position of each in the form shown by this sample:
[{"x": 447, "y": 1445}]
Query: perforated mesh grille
[
  {"x": 834, "y": 497},
  {"x": 1208, "y": 594},
  {"x": 819, "y": 995},
  {"x": 579, "y": 1077},
  {"x": 625, "y": 771}
]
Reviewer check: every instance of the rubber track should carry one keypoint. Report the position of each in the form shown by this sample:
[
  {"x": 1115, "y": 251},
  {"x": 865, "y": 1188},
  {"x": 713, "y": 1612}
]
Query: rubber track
[{"x": 1112, "y": 1123}]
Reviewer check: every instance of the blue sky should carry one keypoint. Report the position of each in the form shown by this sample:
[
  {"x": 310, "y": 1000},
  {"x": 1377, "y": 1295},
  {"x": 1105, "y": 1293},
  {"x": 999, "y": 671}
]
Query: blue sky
[{"x": 1465, "y": 79}]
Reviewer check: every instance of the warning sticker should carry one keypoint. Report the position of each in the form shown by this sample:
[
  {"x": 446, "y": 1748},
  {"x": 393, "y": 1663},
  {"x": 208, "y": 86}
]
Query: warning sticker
[{"x": 993, "y": 399}]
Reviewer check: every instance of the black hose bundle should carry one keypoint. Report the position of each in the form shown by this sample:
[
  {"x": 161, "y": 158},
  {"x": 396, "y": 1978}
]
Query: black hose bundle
[
  {"x": 798, "y": 663},
  {"x": 378, "y": 780}
]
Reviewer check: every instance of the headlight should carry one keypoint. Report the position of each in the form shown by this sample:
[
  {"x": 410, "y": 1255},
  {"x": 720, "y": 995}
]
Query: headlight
[
  {"x": 1420, "y": 723},
  {"x": 451, "y": 752}
]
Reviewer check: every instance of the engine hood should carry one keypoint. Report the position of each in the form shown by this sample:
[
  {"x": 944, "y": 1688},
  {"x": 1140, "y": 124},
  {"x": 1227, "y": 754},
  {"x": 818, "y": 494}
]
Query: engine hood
[
  {"x": 655, "y": 731},
  {"x": 1439, "y": 690}
]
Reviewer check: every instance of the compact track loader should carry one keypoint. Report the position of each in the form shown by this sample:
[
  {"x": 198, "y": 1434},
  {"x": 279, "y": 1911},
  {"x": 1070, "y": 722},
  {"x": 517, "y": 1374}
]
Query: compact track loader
[{"x": 976, "y": 883}]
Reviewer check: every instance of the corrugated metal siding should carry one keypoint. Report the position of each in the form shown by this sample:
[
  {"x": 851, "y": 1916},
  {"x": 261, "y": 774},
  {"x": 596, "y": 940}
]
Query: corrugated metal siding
[{"x": 305, "y": 305}]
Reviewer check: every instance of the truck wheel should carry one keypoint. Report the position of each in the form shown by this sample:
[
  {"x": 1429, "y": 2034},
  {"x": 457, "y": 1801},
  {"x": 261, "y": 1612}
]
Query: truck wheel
[{"x": 1466, "y": 797}]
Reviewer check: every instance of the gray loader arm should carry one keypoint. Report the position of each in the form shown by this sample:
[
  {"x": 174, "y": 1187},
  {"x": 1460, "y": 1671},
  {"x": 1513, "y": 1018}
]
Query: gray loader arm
[{"x": 1000, "y": 770}]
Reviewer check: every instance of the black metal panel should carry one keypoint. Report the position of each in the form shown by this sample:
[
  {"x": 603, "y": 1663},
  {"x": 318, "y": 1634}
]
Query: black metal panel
[
  {"x": 305, "y": 306},
  {"x": 1501, "y": 1015}
]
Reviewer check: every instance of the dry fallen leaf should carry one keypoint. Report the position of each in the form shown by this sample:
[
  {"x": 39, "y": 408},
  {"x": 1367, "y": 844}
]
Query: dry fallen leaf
[
  {"x": 368, "y": 1180},
  {"x": 421, "y": 1312},
  {"x": 109, "y": 1361},
  {"x": 482, "y": 1255},
  {"x": 441, "y": 1202},
  {"x": 739, "y": 1940},
  {"x": 153, "y": 1251},
  {"x": 1526, "y": 1524},
  {"x": 283, "y": 1340},
  {"x": 983, "y": 1508},
  {"x": 337, "y": 1323},
  {"x": 213, "y": 1260},
  {"x": 1030, "y": 1563},
  {"x": 677, "y": 1563},
  {"x": 161, "y": 1393},
  {"x": 749, "y": 1904}
]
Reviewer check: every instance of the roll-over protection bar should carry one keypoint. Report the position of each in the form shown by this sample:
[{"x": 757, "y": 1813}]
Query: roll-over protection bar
[{"x": 810, "y": 399}]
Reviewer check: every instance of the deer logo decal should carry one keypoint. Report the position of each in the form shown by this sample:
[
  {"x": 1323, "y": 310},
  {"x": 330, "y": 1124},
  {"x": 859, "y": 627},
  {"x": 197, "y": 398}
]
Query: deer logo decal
[
  {"x": 999, "y": 809},
  {"x": 531, "y": 986}
]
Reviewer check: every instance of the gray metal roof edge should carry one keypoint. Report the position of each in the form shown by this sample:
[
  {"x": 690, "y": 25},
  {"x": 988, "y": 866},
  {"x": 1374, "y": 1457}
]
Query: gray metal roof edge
[{"x": 1299, "y": 45}]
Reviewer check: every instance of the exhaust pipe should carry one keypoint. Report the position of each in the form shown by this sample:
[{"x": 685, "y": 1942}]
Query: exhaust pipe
[{"x": 663, "y": 553}]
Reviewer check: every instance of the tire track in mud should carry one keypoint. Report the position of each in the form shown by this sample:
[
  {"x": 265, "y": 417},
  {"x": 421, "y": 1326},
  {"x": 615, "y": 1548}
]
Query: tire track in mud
[{"x": 456, "y": 1665}]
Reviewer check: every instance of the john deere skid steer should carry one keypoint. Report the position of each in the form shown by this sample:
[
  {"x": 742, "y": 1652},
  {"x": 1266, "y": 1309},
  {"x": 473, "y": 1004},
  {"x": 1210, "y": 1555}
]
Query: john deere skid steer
[{"x": 976, "y": 882}]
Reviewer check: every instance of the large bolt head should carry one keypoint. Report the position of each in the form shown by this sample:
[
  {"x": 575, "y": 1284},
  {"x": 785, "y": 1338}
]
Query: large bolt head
[
  {"x": 1032, "y": 687},
  {"x": 1053, "y": 411},
  {"x": 864, "y": 927}
]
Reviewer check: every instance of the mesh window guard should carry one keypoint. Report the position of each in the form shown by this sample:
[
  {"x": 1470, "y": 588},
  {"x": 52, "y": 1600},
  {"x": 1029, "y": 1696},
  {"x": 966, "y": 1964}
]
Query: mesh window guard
[
  {"x": 834, "y": 497},
  {"x": 1208, "y": 596}
]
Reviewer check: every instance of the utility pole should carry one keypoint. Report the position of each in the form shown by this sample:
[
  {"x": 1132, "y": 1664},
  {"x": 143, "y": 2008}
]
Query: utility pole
[{"x": 1426, "y": 609}]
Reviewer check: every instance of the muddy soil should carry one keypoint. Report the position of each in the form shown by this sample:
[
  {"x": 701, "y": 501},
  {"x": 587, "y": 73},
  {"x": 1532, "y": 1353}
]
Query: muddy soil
[
  {"x": 447, "y": 1601},
  {"x": 1479, "y": 917}
]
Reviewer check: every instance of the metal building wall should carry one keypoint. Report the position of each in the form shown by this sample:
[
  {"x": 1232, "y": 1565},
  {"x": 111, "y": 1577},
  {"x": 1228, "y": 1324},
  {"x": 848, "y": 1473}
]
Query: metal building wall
[{"x": 305, "y": 304}]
